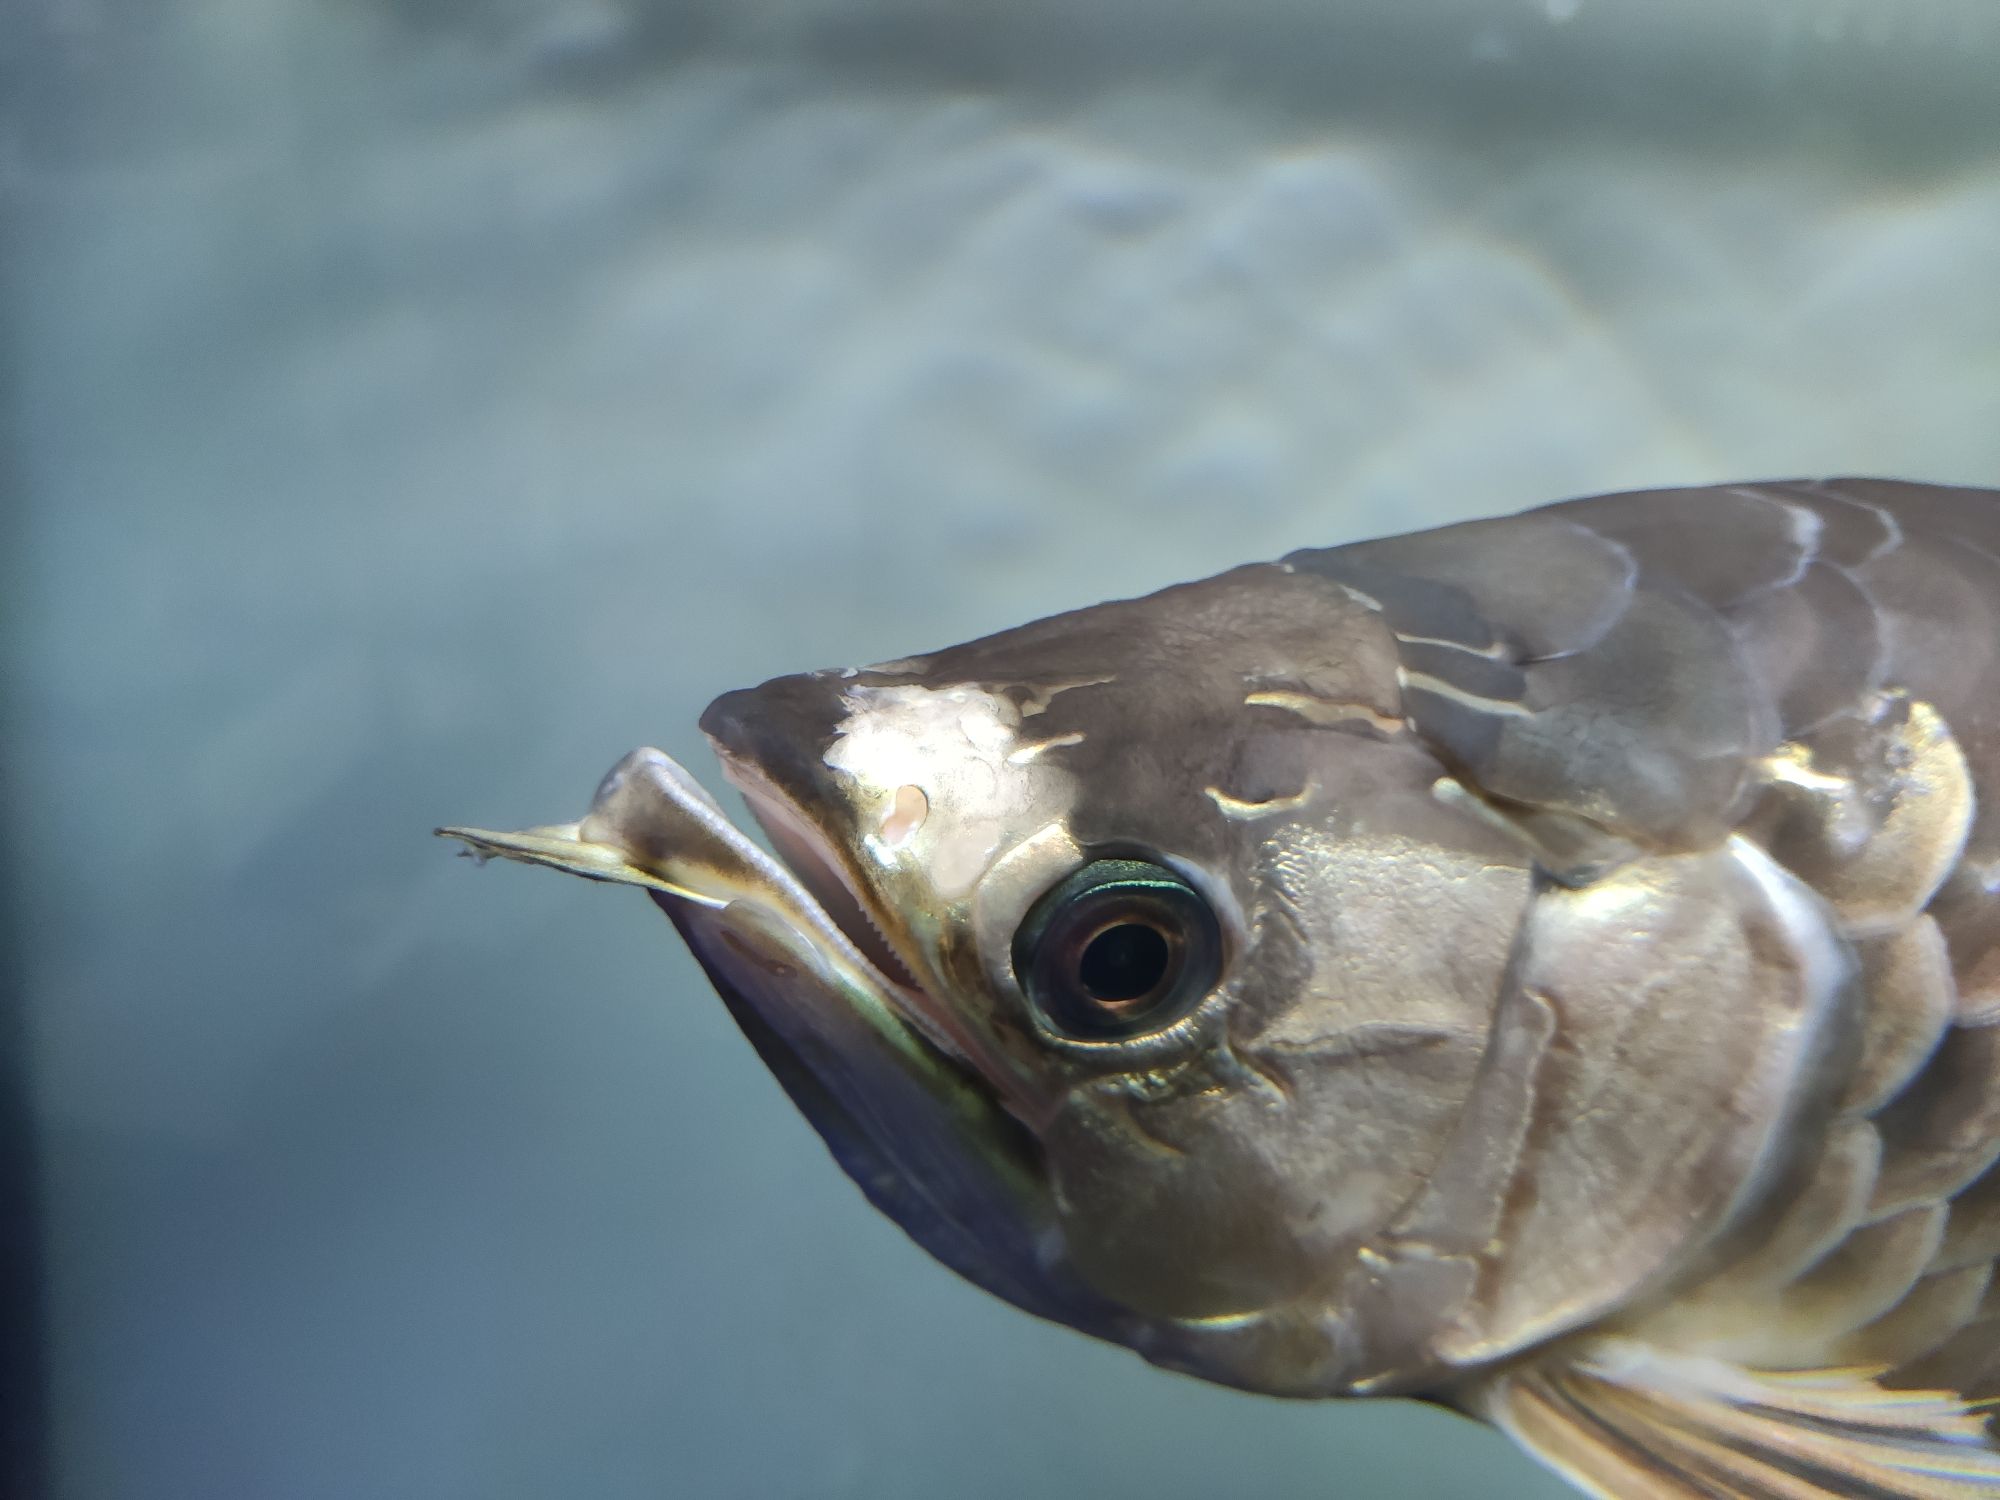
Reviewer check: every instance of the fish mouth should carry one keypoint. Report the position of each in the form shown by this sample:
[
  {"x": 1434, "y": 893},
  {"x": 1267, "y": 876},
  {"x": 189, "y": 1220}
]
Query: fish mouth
[
  {"x": 652, "y": 825},
  {"x": 821, "y": 863},
  {"x": 866, "y": 1055},
  {"x": 811, "y": 856}
]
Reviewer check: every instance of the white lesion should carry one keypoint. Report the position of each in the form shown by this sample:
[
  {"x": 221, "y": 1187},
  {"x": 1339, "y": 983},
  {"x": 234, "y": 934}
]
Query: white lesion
[
  {"x": 1323, "y": 712},
  {"x": 1806, "y": 529},
  {"x": 1492, "y": 650},
  {"x": 1793, "y": 766},
  {"x": 939, "y": 777},
  {"x": 1438, "y": 687},
  {"x": 1036, "y": 700},
  {"x": 1242, "y": 809},
  {"x": 905, "y": 814},
  {"x": 1367, "y": 601},
  {"x": 1892, "y": 529},
  {"x": 902, "y": 666},
  {"x": 1020, "y": 755}
]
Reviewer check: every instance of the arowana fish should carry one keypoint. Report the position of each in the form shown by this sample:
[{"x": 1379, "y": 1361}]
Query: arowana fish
[{"x": 1548, "y": 966}]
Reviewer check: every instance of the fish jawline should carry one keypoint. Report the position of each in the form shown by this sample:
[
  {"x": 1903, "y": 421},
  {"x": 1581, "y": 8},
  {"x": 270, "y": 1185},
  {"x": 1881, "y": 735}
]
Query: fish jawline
[{"x": 815, "y": 861}]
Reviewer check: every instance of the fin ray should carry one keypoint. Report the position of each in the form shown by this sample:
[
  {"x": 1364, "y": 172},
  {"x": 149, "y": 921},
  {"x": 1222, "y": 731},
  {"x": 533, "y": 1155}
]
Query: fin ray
[{"x": 1620, "y": 1419}]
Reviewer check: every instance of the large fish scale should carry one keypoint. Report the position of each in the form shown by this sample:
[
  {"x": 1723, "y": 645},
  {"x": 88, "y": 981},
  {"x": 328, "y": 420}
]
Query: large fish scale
[{"x": 1815, "y": 666}]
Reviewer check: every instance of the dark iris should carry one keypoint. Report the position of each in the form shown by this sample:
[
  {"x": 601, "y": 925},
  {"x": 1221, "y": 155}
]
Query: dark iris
[
  {"x": 1124, "y": 962},
  {"x": 1120, "y": 948}
]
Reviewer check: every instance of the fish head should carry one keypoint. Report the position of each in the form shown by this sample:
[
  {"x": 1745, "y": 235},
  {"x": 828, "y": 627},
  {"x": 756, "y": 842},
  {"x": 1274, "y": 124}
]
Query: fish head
[{"x": 1170, "y": 880}]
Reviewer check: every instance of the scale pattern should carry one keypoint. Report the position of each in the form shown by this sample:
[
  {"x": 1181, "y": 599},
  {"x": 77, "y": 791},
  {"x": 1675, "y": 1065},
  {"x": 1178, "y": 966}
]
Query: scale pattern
[{"x": 1814, "y": 666}]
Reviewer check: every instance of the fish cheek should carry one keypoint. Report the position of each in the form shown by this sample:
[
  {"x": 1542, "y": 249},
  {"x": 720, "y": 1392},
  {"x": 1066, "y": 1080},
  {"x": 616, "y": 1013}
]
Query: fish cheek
[{"x": 1241, "y": 1183}]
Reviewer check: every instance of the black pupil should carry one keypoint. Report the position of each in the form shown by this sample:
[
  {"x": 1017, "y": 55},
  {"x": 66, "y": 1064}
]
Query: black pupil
[
  {"x": 1120, "y": 949},
  {"x": 1123, "y": 962}
]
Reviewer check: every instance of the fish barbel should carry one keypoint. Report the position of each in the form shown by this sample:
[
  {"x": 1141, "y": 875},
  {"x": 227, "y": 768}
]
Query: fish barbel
[{"x": 1549, "y": 966}]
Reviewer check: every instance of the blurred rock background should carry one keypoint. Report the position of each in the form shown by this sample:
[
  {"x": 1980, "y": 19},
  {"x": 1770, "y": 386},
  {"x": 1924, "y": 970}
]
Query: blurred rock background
[{"x": 411, "y": 405}]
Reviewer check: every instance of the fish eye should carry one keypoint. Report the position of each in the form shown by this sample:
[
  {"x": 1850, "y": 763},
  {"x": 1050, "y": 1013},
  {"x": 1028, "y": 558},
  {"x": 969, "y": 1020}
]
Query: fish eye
[{"x": 1119, "y": 948}]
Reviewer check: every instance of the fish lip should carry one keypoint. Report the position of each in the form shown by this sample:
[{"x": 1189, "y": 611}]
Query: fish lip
[
  {"x": 813, "y": 859},
  {"x": 747, "y": 743},
  {"x": 754, "y": 731}
]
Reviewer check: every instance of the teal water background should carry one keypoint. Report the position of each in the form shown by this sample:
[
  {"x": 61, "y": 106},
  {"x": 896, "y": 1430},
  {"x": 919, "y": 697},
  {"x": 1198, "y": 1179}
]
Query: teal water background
[{"x": 410, "y": 407}]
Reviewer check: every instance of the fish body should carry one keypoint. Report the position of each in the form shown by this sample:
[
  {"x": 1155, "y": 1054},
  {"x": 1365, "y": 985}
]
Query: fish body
[{"x": 1548, "y": 966}]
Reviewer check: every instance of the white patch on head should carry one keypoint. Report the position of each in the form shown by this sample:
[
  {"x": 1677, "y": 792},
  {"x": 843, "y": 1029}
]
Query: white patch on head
[{"x": 957, "y": 748}]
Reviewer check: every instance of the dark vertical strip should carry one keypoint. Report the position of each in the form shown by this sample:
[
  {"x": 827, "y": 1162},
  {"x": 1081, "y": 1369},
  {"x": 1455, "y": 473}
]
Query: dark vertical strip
[{"x": 24, "y": 1399}]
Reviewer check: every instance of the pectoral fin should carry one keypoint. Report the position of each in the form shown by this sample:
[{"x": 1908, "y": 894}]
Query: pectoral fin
[{"x": 1620, "y": 1419}]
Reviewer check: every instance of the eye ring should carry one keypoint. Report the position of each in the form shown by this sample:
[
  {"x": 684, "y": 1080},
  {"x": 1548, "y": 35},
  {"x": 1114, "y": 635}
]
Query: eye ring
[{"x": 1120, "y": 948}]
